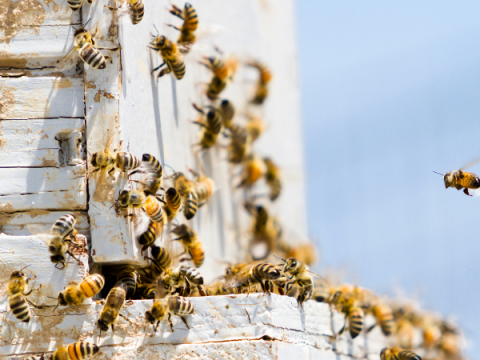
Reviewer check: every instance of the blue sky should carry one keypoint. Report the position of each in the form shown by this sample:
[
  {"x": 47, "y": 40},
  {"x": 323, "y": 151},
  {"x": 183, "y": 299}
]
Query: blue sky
[{"x": 390, "y": 92}]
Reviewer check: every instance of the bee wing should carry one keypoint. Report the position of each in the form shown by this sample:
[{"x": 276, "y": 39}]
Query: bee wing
[
  {"x": 471, "y": 163},
  {"x": 39, "y": 232},
  {"x": 69, "y": 60},
  {"x": 239, "y": 278},
  {"x": 140, "y": 224},
  {"x": 321, "y": 277},
  {"x": 160, "y": 292}
]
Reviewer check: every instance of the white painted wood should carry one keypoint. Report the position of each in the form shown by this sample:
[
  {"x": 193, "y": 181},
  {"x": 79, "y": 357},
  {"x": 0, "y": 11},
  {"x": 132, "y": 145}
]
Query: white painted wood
[
  {"x": 43, "y": 188},
  {"x": 29, "y": 143},
  {"x": 41, "y": 97}
]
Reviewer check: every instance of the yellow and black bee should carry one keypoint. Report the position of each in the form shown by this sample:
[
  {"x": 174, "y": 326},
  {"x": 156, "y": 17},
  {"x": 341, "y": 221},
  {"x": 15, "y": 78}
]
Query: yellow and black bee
[
  {"x": 171, "y": 55},
  {"x": 75, "y": 293},
  {"x": 187, "y": 30},
  {"x": 80, "y": 350}
]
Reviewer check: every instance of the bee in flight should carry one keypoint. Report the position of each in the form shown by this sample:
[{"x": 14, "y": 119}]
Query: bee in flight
[
  {"x": 81, "y": 350},
  {"x": 193, "y": 246},
  {"x": 84, "y": 46},
  {"x": 75, "y": 293},
  {"x": 16, "y": 291},
  {"x": 261, "y": 91},
  {"x": 398, "y": 354},
  {"x": 171, "y": 55},
  {"x": 460, "y": 179},
  {"x": 190, "y": 23}
]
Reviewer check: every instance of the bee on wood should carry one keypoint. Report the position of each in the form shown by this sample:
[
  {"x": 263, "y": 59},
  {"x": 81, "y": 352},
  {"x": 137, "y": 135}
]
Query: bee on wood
[
  {"x": 171, "y": 55},
  {"x": 210, "y": 119},
  {"x": 185, "y": 188},
  {"x": 398, "y": 354},
  {"x": 147, "y": 239},
  {"x": 77, "y": 4},
  {"x": 261, "y": 91},
  {"x": 460, "y": 179},
  {"x": 253, "y": 274},
  {"x": 80, "y": 350},
  {"x": 265, "y": 230},
  {"x": 181, "y": 280},
  {"x": 129, "y": 276},
  {"x": 16, "y": 291},
  {"x": 168, "y": 306},
  {"x": 63, "y": 234},
  {"x": 227, "y": 112},
  {"x": 114, "y": 303},
  {"x": 76, "y": 293},
  {"x": 135, "y": 8},
  {"x": 187, "y": 30},
  {"x": 153, "y": 171},
  {"x": 84, "y": 46},
  {"x": 173, "y": 202},
  {"x": 193, "y": 246},
  {"x": 203, "y": 186},
  {"x": 138, "y": 199},
  {"x": 384, "y": 317}
]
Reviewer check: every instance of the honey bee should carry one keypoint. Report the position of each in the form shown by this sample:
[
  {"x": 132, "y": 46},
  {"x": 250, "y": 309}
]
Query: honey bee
[
  {"x": 148, "y": 238},
  {"x": 181, "y": 280},
  {"x": 80, "y": 350},
  {"x": 210, "y": 119},
  {"x": 384, "y": 317},
  {"x": 185, "y": 188},
  {"x": 255, "y": 126},
  {"x": 169, "y": 305},
  {"x": 173, "y": 201},
  {"x": 190, "y": 23},
  {"x": 253, "y": 168},
  {"x": 193, "y": 246},
  {"x": 398, "y": 354},
  {"x": 16, "y": 290},
  {"x": 154, "y": 175},
  {"x": 146, "y": 291},
  {"x": 265, "y": 230},
  {"x": 63, "y": 233},
  {"x": 171, "y": 55},
  {"x": 223, "y": 73},
  {"x": 84, "y": 46},
  {"x": 114, "y": 303},
  {"x": 135, "y": 8},
  {"x": 272, "y": 178},
  {"x": 239, "y": 146},
  {"x": 207, "y": 139},
  {"x": 76, "y": 293},
  {"x": 253, "y": 274},
  {"x": 127, "y": 275},
  {"x": 354, "y": 318},
  {"x": 137, "y": 199},
  {"x": 108, "y": 160},
  {"x": 161, "y": 259},
  {"x": 460, "y": 179},
  {"x": 227, "y": 111},
  {"x": 216, "y": 287},
  {"x": 261, "y": 91},
  {"x": 77, "y": 4}
]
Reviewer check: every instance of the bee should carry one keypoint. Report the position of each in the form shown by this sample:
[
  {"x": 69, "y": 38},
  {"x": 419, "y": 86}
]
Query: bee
[
  {"x": 137, "y": 199},
  {"x": 384, "y": 317},
  {"x": 63, "y": 233},
  {"x": 398, "y": 354},
  {"x": 272, "y": 178},
  {"x": 460, "y": 179},
  {"x": 161, "y": 259},
  {"x": 114, "y": 303},
  {"x": 84, "y": 46},
  {"x": 265, "y": 229},
  {"x": 76, "y": 293},
  {"x": 16, "y": 290},
  {"x": 227, "y": 112},
  {"x": 169, "y": 305},
  {"x": 354, "y": 317},
  {"x": 193, "y": 246},
  {"x": 261, "y": 91},
  {"x": 253, "y": 168},
  {"x": 181, "y": 280},
  {"x": 154, "y": 175},
  {"x": 108, "y": 160},
  {"x": 255, "y": 126},
  {"x": 80, "y": 350},
  {"x": 173, "y": 201},
  {"x": 253, "y": 274},
  {"x": 186, "y": 190},
  {"x": 190, "y": 23},
  {"x": 216, "y": 287},
  {"x": 210, "y": 119},
  {"x": 207, "y": 139},
  {"x": 239, "y": 146},
  {"x": 223, "y": 73},
  {"x": 171, "y": 55},
  {"x": 153, "y": 231},
  {"x": 146, "y": 291},
  {"x": 127, "y": 275},
  {"x": 204, "y": 187},
  {"x": 77, "y": 4},
  {"x": 135, "y": 8}
]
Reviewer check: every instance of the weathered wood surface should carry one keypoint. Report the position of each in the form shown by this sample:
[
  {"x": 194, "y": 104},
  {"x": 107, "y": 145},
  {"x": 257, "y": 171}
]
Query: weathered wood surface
[{"x": 216, "y": 319}]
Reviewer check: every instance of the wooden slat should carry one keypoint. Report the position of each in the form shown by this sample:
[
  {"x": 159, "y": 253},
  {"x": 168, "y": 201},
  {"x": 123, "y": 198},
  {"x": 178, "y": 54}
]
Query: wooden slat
[
  {"x": 41, "y": 97},
  {"x": 27, "y": 143},
  {"x": 42, "y": 188}
]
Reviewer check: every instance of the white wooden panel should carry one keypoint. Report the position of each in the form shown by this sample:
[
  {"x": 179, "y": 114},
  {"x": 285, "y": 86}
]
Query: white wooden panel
[
  {"x": 15, "y": 223},
  {"x": 27, "y": 143},
  {"x": 42, "y": 188},
  {"x": 41, "y": 97}
]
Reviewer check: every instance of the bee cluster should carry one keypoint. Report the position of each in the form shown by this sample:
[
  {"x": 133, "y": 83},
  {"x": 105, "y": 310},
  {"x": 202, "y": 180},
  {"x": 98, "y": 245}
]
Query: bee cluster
[{"x": 159, "y": 202}]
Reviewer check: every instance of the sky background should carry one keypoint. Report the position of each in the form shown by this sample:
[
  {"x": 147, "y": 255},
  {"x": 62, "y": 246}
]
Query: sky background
[{"x": 390, "y": 92}]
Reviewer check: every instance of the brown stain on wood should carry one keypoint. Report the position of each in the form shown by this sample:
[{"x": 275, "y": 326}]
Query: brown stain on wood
[
  {"x": 7, "y": 101},
  {"x": 14, "y": 15},
  {"x": 55, "y": 5}
]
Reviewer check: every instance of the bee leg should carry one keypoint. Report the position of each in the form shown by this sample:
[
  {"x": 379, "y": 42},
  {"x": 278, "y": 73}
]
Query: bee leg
[
  {"x": 156, "y": 326},
  {"x": 342, "y": 330},
  {"x": 201, "y": 290},
  {"x": 95, "y": 170},
  {"x": 170, "y": 321},
  {"x": 184, "y": 320},
  {"x": 63, "y": 267},
  {"x": 73, "y": 256},
  {"x": 173, "y": 26},
  {"x": 158, "y": 67},
  {"x": 34, "y": 305},
  {"x": 466, "y": 192},
  {"x": 165, "y": 71},
  {"x": 111, "y": 8},
  {"x": 371, "y": 327},
  {"x": 126, "y": 318}
]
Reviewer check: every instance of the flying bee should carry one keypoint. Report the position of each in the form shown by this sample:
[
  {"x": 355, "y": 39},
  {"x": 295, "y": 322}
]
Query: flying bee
[
  {"x": 384, "y": 317},
  {"x": 240, "y": 141},
  {"x": 169, "y": 305},
  {"x": 460, "y": 179},
  {"x": 203, "y": 186},
  {"x": 227, "y": 112},
  {"x": 207, "y": 139},
  {"x": 137, "y": 199},
  {"x": 80, "y": 350},
  {"x": 84, "y": 46},
  {"x": 16, "y": 291},
  {"x": 223, "y": 73},
  {"x": 76, "y": 293},
  {"x": 193, "y": 246},
  {"x": 135, "y": 8},
  {"x": 62, "y": 234},
  {"x": 253, "y": 168},
  {"x": 171, "y": 55},
  {"x": 354, "y": 318},
  {"x": 114, "y": 303},
  {"x": 272, "y": 177},
  {"x": 253, "y": 274},
  {"x": 398, "y": 354},
  {"x": 148, "y": 238},
  {"x": 77, "y": 4},
  {"x": 153, "y": 170},
  {"x": 129, "y": 276},
  {"x": 261, "y": 91},
  {"x": 185, "y": 188},
  {"x": 181, "y": 280},
  {"x": 173, "y": 201},
  {"x": 210, "y": 119},
  {"x": 266, "y": 231},
  {"x": 190, "y": 23},
  {"x": 255, "y": 126}
]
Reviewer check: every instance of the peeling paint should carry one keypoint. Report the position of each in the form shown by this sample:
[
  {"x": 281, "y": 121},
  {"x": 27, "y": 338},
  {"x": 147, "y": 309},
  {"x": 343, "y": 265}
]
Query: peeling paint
[
  {"x": 55, "y": 5},
  {"x": 15, "y": 14},
  {"x": 7, "y": 102}
]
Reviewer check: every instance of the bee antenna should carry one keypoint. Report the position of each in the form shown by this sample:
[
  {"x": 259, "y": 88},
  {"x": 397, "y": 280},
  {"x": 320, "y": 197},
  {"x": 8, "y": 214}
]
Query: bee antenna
[
  {"x": 24, "y": 267},
  {"x": 169, "y": 167},
  {"x": 87, "y": 22},
  {"x": 56, "y": 307},
  {"x": 439, "y": 173},
  {"x": 280, "y": 258},
  {"x": 158, "y": 33}
]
